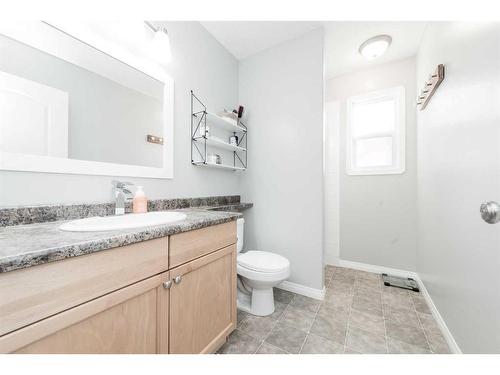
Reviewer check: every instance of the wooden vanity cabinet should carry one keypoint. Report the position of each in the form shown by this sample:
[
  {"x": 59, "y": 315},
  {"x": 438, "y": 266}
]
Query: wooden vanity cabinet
[
  {"x": 203, "y": 302},
  {"x": 189, "y": 308}
]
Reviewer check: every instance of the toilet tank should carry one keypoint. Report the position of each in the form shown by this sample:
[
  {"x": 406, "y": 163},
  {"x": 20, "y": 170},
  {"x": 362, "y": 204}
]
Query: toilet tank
[{"x": 239, "y": 232}]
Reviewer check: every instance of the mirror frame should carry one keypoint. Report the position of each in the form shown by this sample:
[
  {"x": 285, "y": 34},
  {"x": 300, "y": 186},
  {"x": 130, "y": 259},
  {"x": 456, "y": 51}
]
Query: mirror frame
[{"x": 50, "y": 38}]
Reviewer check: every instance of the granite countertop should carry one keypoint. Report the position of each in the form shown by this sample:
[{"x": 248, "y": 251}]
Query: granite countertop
[
  {"x": 23, "y": 246},
  {"x": 235, "y": 207}
]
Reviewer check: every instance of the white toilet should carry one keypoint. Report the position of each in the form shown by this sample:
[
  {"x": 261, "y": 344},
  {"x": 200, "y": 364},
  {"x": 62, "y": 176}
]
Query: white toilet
[{"x": 258, "y": 273}]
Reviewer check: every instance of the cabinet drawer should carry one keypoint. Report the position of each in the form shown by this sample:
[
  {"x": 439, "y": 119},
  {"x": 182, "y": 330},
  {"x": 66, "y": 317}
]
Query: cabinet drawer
[
  {"x": 187, "y": 246},
  {"x": 34, "y": 293}
]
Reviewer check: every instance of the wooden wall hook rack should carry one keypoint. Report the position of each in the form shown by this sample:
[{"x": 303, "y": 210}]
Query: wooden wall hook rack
[{"x": 430, "y": 87}]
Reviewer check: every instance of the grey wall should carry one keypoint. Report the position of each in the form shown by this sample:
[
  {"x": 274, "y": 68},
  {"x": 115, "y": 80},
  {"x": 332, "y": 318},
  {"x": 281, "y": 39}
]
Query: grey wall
[
  {"x": 283, "y": 90},
  {"x": 200, "y": 63},
  {"x": 378, "y": 213},
  {"x": 458, "y": 255}
]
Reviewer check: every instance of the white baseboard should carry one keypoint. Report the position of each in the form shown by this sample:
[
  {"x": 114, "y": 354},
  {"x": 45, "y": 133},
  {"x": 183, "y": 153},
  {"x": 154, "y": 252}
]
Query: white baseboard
[
  {"x": 374, "y": 268},
  {"x": 303, "y": 290},
  {"x": 454, "y": 348}
]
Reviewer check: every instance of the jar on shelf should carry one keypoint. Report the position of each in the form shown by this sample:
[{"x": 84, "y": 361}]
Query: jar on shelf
[
  {"x": 204, "y": 130},
  {"x": 214, "y": 159},
  {"x": 233, "y": 140}
]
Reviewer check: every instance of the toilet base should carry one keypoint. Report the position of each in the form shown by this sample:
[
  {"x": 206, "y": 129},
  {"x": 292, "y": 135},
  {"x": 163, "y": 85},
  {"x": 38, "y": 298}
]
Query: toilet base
[{"x": 260, "y": 302}]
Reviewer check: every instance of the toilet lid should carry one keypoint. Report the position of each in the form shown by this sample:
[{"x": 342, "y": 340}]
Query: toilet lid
[{"x": 263, "y": 261}]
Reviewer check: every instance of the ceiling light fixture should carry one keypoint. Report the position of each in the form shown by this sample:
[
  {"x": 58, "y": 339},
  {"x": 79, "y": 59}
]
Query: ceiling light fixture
[
  {"x": 375, "y": 47},
  {"x": 160, "y": 46}
]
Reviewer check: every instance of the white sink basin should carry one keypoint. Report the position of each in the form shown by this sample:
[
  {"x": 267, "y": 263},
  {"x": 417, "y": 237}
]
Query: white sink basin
[{"x": 98, "y": 223}]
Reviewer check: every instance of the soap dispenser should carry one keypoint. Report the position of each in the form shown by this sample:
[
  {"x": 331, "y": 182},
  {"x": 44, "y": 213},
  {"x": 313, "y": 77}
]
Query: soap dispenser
[{"x": 140, "y": 202}]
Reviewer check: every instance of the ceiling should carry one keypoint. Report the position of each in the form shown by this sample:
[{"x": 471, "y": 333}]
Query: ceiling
[
  {"x": 246, "y": 38},
  {"x": 342, "y": 39}
]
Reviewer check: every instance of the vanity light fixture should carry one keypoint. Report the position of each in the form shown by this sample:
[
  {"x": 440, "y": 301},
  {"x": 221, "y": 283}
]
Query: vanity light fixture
[
  {"x": 375, "y": 47},
  {"x": 160, "y": 45}
]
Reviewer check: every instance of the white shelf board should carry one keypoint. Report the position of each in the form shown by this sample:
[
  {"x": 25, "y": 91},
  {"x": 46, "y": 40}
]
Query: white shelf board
[
  {"x": 220, "y": 166},
  {"x": 221, "y": 122},
  {"x": 219, "y": 143}
]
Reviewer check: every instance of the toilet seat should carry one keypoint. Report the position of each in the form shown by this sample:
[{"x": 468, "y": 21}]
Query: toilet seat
[
  {"x": 263, "y": 266},
  {"x": 263, "y": 261}
]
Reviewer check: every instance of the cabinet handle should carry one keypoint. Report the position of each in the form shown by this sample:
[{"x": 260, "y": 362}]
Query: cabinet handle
[
  {"x": 167, "y": 284},
  {"x": 178, "y": 279}
]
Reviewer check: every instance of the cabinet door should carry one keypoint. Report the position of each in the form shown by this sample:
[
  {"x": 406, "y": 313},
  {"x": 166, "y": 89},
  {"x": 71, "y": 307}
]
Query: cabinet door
[
  {"x": 129, "y": 320},
  {"x": 203, "y": 302}
]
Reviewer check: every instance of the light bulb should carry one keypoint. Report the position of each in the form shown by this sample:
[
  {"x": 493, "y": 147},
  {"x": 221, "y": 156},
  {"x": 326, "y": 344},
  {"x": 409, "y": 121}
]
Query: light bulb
[{"x": 160, "y": 46}]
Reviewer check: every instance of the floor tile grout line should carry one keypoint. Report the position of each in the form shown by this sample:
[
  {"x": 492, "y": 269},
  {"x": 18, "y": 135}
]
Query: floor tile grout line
[
  {"x": 414, "y": 309},
  {"x": 347, "y": 327},
  {"x": 276, "y": 323},
  {"x": 261, "y": 341},
  {"x": 372, "y": 290},
  {"x": 421, "y": 325},
  {"x": 253, "y": 337},
  {"x": 271, "y": 330},
  {"x": 385, "y": 328},
  {"x": 310, "y": 327},
  {"x": 274, "y": 346},
  {"x": 351, "y": 294},
  {"x": 267, "y": 335},
  {"x": 349, "y": 316},
  {"x": 303, "y": 343},
  {"x": 384, "y": 316}
]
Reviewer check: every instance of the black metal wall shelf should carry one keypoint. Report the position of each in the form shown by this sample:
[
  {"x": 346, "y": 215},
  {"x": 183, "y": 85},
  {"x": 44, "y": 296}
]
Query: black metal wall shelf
[{"x": 201, "y": 143}]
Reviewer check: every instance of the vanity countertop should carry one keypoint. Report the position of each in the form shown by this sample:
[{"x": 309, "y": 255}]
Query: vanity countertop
[
  {"x": 234, "y": 207},
  {"x": 23, "y": 246}
]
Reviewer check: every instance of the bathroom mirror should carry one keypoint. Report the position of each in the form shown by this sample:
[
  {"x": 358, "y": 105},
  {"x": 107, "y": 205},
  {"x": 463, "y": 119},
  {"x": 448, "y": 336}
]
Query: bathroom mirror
[{"x": 84, "y": 99}]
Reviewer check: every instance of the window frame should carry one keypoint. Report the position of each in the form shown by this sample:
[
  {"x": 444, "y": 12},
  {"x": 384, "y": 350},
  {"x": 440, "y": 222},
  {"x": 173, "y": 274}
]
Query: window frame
[{"x": 398, "y": 134}]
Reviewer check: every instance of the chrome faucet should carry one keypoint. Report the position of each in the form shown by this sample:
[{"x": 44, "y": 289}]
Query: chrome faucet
[{"x": 122, "y": 195}]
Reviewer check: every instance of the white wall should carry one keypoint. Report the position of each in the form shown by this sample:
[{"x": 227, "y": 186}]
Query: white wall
[
  {"x": 200, "y": 63},
  {"x": 378, "y": 213},
  {"x": 282, "y": 88},
  {"x": 331, "y": 179},
  {"x": 458, "y": 255}
]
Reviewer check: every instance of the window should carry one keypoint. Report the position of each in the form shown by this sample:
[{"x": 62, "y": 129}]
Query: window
[{"x": 376, "y": 133}]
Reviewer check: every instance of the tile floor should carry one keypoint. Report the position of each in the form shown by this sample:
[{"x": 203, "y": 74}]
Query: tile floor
[{"x": 358, "y": 315}]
